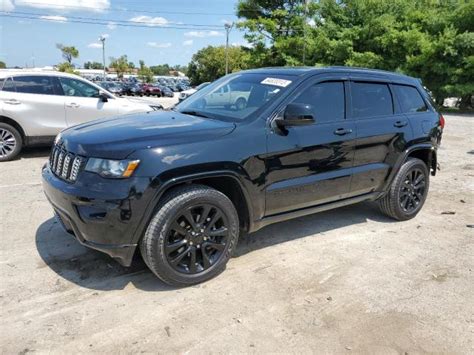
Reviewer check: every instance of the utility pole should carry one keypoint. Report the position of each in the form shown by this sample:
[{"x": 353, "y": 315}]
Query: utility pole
[
  {"x": 304, "y": 30},
  {"x": 102, "y": 39},
  {"x": 228, "y": 27}
]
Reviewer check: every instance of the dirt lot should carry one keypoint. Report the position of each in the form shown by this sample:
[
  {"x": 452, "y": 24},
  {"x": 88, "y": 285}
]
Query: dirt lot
[{"x": 344, "y": 281}]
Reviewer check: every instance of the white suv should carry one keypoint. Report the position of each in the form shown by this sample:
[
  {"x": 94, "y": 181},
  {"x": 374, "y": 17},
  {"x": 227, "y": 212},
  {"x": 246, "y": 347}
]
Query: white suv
[{"x": 36, "y": 106}]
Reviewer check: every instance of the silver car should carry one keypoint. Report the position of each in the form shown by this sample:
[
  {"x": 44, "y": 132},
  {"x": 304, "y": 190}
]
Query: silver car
[{"x": 36, "y": 105}]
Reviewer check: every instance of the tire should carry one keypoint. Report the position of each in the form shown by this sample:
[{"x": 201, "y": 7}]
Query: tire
[
  {"x": 408, "y": 191},
  {"x": 169, "y": 247},
  {"x": 11, "y": 142},
  {"x": 240, "y": 104}
]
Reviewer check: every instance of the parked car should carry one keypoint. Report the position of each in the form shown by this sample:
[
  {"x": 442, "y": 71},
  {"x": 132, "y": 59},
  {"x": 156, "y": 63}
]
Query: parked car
[
  {"x": 151, "y": 90},
  {"x": 35, "y": 106},
  {"x": 186, "y": 93},
  {"x": 182, "y": 185},
  {"x": 113, "y": 87},
  {"x": 165, "y": 91}
]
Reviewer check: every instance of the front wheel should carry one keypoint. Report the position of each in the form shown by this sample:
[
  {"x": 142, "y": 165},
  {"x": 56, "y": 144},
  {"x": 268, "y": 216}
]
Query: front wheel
[
  {"x": 10, "y": 142},
  {"x": 408, "y": 191},
  {"x": 192, "y": 235}
]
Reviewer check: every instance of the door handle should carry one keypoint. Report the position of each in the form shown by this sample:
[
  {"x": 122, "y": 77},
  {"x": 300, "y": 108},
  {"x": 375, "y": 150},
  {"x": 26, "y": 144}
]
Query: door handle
[
  {"x": 12, "y": 102},
  {"x": 73, "y": 105},
  {"x": 342, "y": 131},
  {"x": 400, "y": 124}
]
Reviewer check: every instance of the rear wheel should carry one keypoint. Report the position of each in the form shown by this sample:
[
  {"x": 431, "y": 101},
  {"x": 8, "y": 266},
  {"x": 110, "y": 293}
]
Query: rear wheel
[
  {"x": 408, "y": 191},
  {"x": 10, "y": 142},
  {"x": 192, "y": 235}
]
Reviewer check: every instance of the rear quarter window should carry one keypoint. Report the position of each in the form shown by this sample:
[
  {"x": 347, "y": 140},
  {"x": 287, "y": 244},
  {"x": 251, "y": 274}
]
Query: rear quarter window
[
  {"x": 9, "y": 85},
  {"x": 371, "y": 99},
  {"x": 410, "y": 99}
]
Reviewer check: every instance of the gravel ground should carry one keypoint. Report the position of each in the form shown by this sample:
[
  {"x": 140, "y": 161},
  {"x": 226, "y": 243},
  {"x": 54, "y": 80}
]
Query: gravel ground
[{"x": 343, "y": 281}]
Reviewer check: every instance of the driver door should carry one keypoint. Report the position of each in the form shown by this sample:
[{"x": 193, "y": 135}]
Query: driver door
[
  {"x": 82, "y": 102},
  {"x": 312, "y": 164}
]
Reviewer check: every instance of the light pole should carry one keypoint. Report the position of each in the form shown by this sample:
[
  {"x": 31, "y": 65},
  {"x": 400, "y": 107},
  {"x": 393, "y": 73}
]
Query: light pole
[
  {"x": 228, "y": 27},
  {"x": 102, "y": 39}
]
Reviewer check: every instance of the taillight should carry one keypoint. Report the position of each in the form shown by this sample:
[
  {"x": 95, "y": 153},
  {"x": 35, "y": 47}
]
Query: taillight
[{"x": 441, "y": 121}]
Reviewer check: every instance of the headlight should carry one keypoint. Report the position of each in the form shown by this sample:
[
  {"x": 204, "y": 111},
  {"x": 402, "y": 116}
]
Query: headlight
[{"x": 112, "y": 168}]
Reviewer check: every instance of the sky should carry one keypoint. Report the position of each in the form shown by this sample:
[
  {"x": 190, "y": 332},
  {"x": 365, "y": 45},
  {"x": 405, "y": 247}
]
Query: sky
[{"x": 157, "y": 31}]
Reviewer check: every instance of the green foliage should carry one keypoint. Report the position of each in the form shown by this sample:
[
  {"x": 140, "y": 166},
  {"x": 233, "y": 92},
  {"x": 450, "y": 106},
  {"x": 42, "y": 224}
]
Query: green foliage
[
  {"x": 121, "y": 65},
  {"x": 93, "y": 65},
  {"x": 67, "y": 68},
  {"x": 429, "y": 39},
  {"x": 2, "y": 65},
  {"x": 208, "y": 64},
  {"x": 68, "y": 52},
  {"x": 163, "y": 69},
  {"x": 145, "y": 74}
]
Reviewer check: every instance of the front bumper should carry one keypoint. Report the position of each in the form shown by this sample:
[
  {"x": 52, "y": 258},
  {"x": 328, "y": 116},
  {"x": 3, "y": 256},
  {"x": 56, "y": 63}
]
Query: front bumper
[{"x": 102, "y": 214}]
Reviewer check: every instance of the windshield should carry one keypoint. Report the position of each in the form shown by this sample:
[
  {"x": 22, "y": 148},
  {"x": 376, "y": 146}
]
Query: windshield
[{"x": 236, "y": 97}]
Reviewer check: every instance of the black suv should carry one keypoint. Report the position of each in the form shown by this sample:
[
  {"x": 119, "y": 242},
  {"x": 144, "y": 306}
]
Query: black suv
[{"x": 253, "y": 148}]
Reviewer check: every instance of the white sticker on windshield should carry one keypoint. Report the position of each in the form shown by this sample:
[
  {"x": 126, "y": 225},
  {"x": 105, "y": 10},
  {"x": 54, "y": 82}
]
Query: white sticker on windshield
[{"x": 277, "y": 82}]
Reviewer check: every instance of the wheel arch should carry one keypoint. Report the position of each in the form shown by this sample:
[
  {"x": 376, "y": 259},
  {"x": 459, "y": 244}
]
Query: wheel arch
[
  {"x": 427, "y": 154},
  {"x": 16, "y": 125},
  {"x": 424, "y": 152},
  {"x": 227, "y": 182}
]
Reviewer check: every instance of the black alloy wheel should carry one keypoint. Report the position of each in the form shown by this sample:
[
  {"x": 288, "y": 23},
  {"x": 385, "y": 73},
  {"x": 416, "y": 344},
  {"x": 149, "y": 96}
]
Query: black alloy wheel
[
  {"x": 192, "y": 235},
  {"x": 197, "y": 238},
  {"x": 412, "y": 191},
  {"x": 408, "y": 191}
]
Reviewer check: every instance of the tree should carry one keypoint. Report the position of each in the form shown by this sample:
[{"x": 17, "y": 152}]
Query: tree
[
  {"x": 67, "y": 68},
  {"x": 2, "y": 65},
  {"x": 68, "y": 52},
  {"x": 120, "y": 64},
  {"x": 433, "y": 41},
  {"x": 93, "y": 65},
  {"x": 162, "y": 69},
  {"x": 208, "y": 64},
  {"x": 144, "y": 73}
]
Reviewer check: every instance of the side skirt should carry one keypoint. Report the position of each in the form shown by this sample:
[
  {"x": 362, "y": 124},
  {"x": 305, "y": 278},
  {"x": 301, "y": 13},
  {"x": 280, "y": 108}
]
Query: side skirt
[{"x": 311, "y": 210}]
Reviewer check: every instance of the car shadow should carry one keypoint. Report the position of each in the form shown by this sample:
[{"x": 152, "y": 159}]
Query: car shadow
[
  {"x": 34, "y": 152},
  {"x": 94, "y": 270}
]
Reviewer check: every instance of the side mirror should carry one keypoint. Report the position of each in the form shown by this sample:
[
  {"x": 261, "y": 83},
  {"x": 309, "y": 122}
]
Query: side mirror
[
  {"x": 103, "y": 96},
  {"x": 296, "y": 115}
]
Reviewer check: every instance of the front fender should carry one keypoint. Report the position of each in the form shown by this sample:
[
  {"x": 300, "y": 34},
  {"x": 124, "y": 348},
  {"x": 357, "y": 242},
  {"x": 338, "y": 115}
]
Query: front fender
[{"x": 166, "y": 181}]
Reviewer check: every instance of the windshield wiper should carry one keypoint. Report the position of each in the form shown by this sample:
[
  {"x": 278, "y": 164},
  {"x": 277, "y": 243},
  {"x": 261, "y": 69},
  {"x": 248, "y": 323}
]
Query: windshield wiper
[{"x": 194, "y": 113}]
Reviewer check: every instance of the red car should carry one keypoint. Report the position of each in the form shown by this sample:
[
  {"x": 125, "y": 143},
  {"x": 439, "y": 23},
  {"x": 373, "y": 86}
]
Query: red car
[{"x": 150, "y": 89}]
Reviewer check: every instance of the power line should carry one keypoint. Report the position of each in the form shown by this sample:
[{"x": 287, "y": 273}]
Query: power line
[
  {"x": 115, "y": 21},
  {"x": 61, "y": 6},
  {"x": 106, "y": 22}
]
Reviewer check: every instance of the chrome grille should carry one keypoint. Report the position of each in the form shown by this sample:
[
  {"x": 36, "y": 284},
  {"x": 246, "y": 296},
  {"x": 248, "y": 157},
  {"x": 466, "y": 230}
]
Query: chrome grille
[{"x": 65, "y": 165}]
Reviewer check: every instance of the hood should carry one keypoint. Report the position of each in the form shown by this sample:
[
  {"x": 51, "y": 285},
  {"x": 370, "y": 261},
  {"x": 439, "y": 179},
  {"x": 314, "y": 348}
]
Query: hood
[{"x": 116, "y": 138}]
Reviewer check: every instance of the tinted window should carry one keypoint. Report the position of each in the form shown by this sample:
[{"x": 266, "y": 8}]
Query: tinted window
[
  {"x": 73, "y": 87},
  {"x": 371, "y": 99},
  {"x": 327, "y": 100},
  {"x": 9, "y": 85},
  {"x": 41, "y": 85},
  {"x": 410, "y": 99}
]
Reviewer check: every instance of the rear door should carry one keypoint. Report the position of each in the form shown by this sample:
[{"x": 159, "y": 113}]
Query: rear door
[
  {"x": 382, "y": 133},
  {"x": 35, "y": 102},
  {"x": 423, "y": 120},
  {"x": 83, "y": 104},
  {"x": 311, "y": 165}
]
